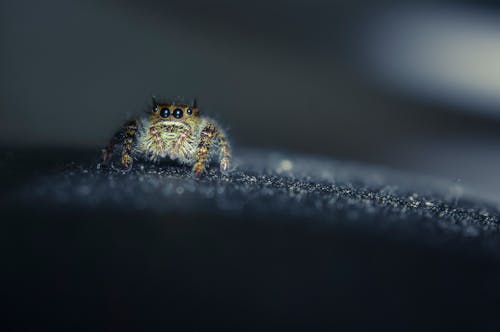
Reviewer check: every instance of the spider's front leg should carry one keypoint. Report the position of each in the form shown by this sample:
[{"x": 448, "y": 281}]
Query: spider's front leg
[
  {"x": 124, "y": 137},
  {"x": 207, "y": 137},
  {"x": 225, "y": 152}
]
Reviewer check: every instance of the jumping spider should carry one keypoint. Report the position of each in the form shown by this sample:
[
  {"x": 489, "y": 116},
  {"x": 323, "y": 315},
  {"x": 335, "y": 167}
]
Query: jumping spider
[{"x": 171, "y": 130}]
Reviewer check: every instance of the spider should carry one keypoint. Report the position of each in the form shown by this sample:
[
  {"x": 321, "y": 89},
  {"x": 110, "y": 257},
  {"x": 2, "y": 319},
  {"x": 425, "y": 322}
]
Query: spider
[{"x": 170, "y": 130}]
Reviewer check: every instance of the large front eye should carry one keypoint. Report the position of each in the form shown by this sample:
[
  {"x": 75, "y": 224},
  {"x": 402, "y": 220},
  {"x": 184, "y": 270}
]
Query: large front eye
[
  {"x": 165, "y": 112},
  {"x": 177, "y": 113}
]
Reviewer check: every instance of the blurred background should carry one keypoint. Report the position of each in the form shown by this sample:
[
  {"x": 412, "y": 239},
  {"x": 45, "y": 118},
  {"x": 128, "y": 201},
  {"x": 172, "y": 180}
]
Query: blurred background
[{"x": 413, "y": 86}]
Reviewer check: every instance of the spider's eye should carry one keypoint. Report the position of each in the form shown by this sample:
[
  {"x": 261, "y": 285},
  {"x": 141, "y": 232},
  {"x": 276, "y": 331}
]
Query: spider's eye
[
  {"x": 155, "y": 109},
  {"x": 177, "y": 113},
  {"x": 189, "y": 111},
  {"x": 165, "y": 112}
]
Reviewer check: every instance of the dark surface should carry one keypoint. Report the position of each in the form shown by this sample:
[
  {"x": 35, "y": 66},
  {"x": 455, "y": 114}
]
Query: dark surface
[{"x": 321, "y": 243}]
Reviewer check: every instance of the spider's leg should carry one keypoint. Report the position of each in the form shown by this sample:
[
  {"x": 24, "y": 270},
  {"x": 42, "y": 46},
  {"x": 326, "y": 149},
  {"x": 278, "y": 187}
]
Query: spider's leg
[
  {"x": 224, "y": 152},
  {"x": 207, "y": 137},
  {"x": 124, "y": 138},
  {"x": 108, "y": 151},
  {"x": 128, "y": 140}
]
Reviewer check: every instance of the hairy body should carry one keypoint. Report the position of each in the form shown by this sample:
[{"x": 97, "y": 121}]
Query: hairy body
[{"x": 172, "y": 131}]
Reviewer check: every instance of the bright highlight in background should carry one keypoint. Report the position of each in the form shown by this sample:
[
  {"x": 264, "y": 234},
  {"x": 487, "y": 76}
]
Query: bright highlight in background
[{"x": 446, "y": 54}]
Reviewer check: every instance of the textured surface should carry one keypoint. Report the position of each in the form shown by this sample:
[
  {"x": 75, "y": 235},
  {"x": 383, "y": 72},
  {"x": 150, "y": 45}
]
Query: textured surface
[
  {"x": 266, "y": 183},
  {"x": 284, "y": 240}
]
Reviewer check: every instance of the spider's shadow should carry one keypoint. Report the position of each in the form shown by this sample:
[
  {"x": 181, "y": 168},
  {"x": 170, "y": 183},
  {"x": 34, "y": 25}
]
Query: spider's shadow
[
  {"x": 165, "y": 164},
  {"x": 160, "y": 167},
  {"x": 168, "y": 164}
]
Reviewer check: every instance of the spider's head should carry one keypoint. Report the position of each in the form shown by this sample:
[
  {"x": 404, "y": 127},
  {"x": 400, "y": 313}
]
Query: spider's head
[{"x": 175, "y": 112}]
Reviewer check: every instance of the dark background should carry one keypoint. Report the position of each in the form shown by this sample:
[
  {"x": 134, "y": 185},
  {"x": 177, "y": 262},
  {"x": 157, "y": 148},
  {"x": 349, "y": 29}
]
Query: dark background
[{"x": 410, "y": 85}]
